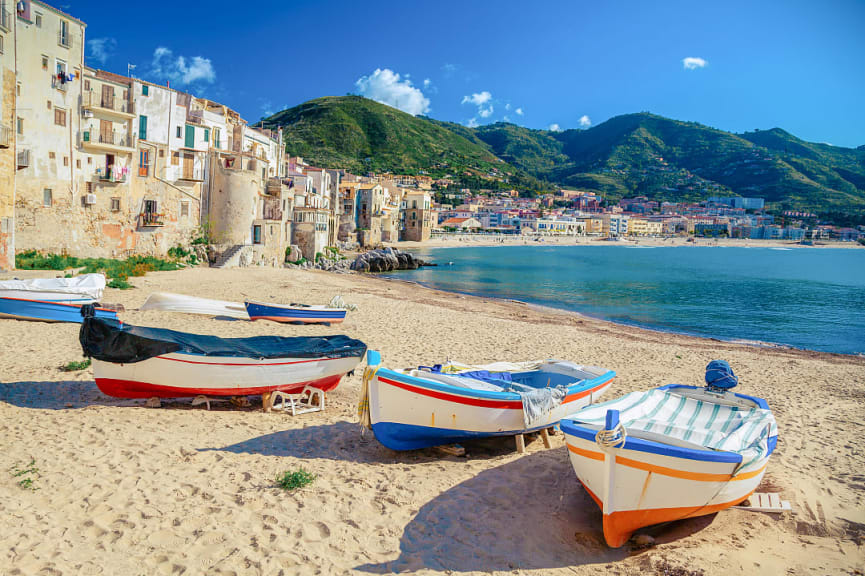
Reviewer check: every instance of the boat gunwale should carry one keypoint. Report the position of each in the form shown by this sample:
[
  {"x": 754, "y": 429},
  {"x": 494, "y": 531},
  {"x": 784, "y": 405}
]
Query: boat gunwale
[
  {"x": 576, "y": 388},
  {"x": 314, "y": 310}
]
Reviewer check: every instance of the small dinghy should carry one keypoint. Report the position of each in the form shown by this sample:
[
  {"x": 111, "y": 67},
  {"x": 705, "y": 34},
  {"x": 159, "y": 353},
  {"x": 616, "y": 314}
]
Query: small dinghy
[
  {"x": 138, "y": 362},
  {"x": 52, "y": 299},
  {"x": 294, "y": 313},
  {"x": 670, "y": 453},
  {"x": 167, "y": 302},
  {"x": 449, "y": 403}
]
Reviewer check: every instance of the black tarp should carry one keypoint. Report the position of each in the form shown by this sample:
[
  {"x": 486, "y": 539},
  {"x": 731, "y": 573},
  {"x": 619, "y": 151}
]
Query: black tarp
[{"x": 113, "y": 341}]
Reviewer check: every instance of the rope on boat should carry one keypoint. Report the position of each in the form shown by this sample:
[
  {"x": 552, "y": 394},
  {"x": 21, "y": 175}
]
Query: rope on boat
[
  {"x": 363, "y": 414},
  {"x": 609, "y": 439}
]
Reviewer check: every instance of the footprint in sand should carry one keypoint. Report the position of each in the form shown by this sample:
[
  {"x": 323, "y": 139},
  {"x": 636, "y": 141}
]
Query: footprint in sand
[{"x": 315, "y": 532}]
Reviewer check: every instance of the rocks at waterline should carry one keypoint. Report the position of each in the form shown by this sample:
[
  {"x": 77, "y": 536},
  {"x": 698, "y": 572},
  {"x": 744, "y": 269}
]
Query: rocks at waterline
[{"x": 386, "y": 260}]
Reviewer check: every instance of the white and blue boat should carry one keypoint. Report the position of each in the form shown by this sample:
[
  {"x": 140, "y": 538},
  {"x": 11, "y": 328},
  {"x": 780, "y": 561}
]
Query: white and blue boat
[
  {"x": 52, "y": 299},
  {"x": 449, "y": 403},
  {"x": 294, "y": 313},
  {"x": 670, "y": 453}
]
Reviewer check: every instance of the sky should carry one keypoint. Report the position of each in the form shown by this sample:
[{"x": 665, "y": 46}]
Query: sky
[{"x": 734, "y": 65}]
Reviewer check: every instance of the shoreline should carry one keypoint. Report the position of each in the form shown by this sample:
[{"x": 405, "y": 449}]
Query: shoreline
[{"x": 469, "y": 240}]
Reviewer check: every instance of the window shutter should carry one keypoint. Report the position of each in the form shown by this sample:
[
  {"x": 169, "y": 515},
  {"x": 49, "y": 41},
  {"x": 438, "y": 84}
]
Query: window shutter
[{"x": 142, "y": 127}]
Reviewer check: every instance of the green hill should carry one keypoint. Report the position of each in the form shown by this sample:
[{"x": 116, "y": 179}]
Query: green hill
[{"x": 632, "y": 154}]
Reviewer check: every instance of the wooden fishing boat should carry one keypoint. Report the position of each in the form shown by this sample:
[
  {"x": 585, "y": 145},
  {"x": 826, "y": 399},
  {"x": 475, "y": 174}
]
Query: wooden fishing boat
[
  {"x": 294, "y": 313},
  {"x": 444, "y": 404},
  {"x": 138, "y": 362},
  {"x": 670, "y": 453},
  {"x": 52, "y": 299},
  {"x": 167, "y": 302}
]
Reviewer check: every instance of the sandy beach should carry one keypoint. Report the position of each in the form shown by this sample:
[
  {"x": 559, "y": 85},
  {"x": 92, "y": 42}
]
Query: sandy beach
[
  {"x": 455, "y": 240},
  {"x": 126, "y": 489}
]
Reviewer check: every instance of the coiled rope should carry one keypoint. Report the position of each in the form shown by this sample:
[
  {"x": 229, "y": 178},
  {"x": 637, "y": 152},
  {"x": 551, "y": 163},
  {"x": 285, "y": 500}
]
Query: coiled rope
[
  {"x": 363, "y": 414},
  {"x": 609, "y": 439}
]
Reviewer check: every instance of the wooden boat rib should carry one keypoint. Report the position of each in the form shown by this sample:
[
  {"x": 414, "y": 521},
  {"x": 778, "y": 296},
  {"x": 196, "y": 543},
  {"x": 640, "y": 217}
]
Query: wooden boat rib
[
  {"x": 685, "y": 452},
  {"x": 139, "y": 362},
  {"x": 418, "y": 408}
]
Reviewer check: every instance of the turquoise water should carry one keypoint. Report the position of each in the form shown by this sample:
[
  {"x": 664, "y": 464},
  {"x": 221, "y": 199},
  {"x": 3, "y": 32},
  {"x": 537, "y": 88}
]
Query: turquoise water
[{"x": 802, "y": 297}]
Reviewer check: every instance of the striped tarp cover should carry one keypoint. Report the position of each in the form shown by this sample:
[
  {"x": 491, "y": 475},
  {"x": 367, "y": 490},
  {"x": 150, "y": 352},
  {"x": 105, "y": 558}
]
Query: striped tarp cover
[{"x": 713, "y": 426}]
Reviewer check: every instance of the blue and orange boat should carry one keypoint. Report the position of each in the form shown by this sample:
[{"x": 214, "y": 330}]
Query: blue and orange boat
[
  {"x": 52, "y": 299},
  {"x": 294, "y": 313}
]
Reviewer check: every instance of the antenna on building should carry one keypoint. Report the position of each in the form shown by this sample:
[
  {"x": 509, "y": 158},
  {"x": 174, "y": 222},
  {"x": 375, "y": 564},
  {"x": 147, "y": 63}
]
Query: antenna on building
[{"x": 129, "y": 69}]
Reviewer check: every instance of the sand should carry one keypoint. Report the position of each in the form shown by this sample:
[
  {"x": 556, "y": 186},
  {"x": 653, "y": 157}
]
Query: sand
[{"x": 126, "y": 489}]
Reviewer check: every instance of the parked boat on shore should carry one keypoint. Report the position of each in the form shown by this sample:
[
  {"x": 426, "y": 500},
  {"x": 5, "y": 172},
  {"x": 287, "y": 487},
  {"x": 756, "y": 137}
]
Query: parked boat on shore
[
  {"x": 294, "y": 313},
  {"x": 52, "y": 299},
  {"x": 670, "y": 453},
  {"x": 449, "y": 403},
  {"x": 139, "y": 362},
  {"x": 167, "y": 302}
]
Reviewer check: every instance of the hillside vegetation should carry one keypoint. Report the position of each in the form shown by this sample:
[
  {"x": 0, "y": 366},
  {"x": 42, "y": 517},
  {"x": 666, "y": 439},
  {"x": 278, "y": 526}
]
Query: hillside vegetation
[{"x": 631, "y": 154}]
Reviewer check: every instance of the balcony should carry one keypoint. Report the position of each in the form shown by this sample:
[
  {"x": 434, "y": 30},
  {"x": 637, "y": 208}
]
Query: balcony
[
  {"x": 191, "y": 173},
  {"x": 5, "y": 18},
  {"x": 109, "y": 106},
  {"x": 195, "y": 117},
  {"x": 5, "y": 136},
  {"x": 107, "y": 174},
  {"x": 95, "y": 140},
  {"x": 58, "y": 84},
  {"x": 272, "y": 209},
  {"x": 23, "y": 159},
  {"x": 151, "y": 219},
  {"x": 64, "y": 39}
]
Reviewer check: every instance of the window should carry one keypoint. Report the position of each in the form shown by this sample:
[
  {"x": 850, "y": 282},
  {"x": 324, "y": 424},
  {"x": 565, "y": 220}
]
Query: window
[
  {"x": 90, "y": 159},
  {"x": 161, "y": 153},
  {"x": 66, "y": 160},
  {"x": 145, "y": 90},
  {"x": 51, "y": 156},
  {"x": 48, "y": 104},
  {"x": 78, "y": 163},
  {"x": 47, "y": 197},
  {"x": 18, "y": 89},
  {"x": 1, "y": 44},
  {"x": 64, "y": 33},
  {"x": 184, "y": 209},
  {"x": 60, "y": 117},
  {"x": 61, "y": 67},
  {"x": 142, "y": 128},
  {"x": 216, "y": 142},
  {"x": 178, "y": 132},
  {"x": 175, "y": 158},
  {"x": 87, "y": 85},
  {"x": 143, "y": 162},
  {"x": 207, "y": 134},
  {"x": 88, "y": 187},
  {"x": 256, "y": 234},
  {"x": 38, "y": 20},
  {"x": 115, "y": 204},
  {"x": 45, "y": 62},
  {"x": 126, "y": 94}
]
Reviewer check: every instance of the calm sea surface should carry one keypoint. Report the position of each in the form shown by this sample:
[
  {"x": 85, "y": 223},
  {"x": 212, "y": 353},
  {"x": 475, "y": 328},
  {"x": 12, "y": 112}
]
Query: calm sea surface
[{"x": 801, "y": 297}]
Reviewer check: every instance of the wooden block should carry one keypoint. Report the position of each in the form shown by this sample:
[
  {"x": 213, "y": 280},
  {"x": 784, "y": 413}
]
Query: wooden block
[
  {"x": 521, "y": 444},
  {"x": 267, "y": 401},
  {"x": 452, "y": 450},
  {"x": 546, "y": 438}
]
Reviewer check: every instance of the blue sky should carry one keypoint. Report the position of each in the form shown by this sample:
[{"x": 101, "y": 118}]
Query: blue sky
[{"x": 799, "y": 65}]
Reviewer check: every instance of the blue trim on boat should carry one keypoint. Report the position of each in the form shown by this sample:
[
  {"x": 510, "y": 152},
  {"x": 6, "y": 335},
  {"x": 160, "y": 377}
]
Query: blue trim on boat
[
  {"x": 759, "y": 401},
  {"x": 575, "y": 388},
  {"x": 411, "y": 437},
  {"x": 640, "y": 445},
  {"x": 48, "y": 311},
  {"x": 256, "y": 310}
]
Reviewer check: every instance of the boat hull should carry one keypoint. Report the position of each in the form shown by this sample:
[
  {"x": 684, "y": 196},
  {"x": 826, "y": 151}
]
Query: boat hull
[
  {"x": 302, "y": 314},
  {"x": 408, "y": 413},
  {"x": 47, "y": 311},
  {"x": 652, "y": 488},
  {"x": 178, "y": 375}
]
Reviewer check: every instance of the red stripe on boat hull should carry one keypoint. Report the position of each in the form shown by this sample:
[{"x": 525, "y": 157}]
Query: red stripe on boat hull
[
  {"x": 483, "y": 402},
  {"x": 135, "y": 389}
]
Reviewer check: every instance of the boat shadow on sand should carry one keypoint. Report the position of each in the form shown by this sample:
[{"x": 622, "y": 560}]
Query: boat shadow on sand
[
  {"x": 528, "y": 514},
  {"x": 58, "y": 395},
  {"x": 342, "y": 441}
]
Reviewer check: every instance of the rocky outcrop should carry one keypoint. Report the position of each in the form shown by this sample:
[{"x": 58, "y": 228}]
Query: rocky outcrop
[{"x": 386, "y": 260}]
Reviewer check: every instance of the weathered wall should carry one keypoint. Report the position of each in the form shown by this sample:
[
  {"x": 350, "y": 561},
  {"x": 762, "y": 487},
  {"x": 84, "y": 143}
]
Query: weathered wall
[
  {"x": 232, "y": 205},
  {"x": 308, "y": 239},
  {"x": 7, "y": 161}
]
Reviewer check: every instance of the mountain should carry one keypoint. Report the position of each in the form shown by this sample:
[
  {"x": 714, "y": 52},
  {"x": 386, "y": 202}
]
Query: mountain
[{"x": 627, "y": 155}]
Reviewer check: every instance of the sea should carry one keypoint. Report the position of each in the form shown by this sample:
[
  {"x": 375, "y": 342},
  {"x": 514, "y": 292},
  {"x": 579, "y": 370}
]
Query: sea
[{"x": 810, "y": 298}]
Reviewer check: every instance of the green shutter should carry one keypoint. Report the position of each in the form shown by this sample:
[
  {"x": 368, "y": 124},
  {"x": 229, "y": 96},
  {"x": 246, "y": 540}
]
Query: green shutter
[
  {"x": 207, "y": 134},
  {"x": 190, "y": 137},
  {"x": 145, "y": 89},
  {"x": 86, "y": 135},
  {"x": 142, "y": 127}
]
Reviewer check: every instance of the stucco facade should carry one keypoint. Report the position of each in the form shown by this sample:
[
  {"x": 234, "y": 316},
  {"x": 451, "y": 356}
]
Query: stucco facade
[{"x": 7, "y": 141}]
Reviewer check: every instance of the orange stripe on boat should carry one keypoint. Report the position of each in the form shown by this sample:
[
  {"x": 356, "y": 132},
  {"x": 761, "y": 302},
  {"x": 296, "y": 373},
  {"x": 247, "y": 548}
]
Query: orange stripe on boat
[{"x": 684, "y": 474}]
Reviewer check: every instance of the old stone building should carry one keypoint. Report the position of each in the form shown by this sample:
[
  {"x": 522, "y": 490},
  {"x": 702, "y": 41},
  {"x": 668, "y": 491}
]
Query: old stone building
[{"x": 8, "y": 158}]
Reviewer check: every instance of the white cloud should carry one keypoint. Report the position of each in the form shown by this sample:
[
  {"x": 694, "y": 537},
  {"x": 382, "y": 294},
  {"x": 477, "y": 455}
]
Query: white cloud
[
  {"x": 385, "y": 86},
  {"x": 554, "y": 127},
  {"x": 478, "y": 99},
  {"x": 426, "y": 82},
  {"x": 472, "y": 123},
  {"x": 519, "y": 111},
  {"x": 180, "y": 70},
  {"x": 506, "y": 118},
  {"x": 585, "y": 121},
  {"x": 692, "y": 63},
  {"x": 99, "y": 50},
  {"x": 485, "y": 112},
  {"x": 507, "y": 106}
]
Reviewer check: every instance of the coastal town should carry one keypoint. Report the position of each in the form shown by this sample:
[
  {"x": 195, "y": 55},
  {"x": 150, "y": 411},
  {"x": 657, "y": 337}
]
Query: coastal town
[{"x": 100, "y": 164}]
